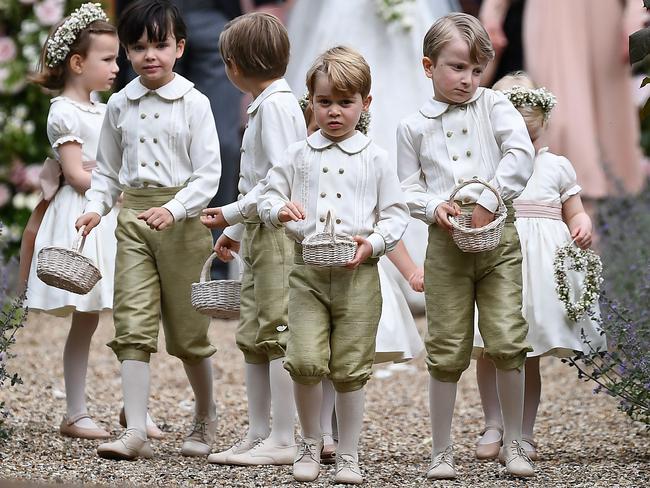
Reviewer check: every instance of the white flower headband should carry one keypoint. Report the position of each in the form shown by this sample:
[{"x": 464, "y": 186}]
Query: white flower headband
[
  {"x": 539, "y": 97},
  {"x": 58, "y": 45},
  {"x": 364, "y": 121}
]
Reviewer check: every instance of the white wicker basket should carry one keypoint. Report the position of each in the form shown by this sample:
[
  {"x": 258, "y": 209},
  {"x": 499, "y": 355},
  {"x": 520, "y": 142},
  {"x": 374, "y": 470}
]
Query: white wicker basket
[
  {"x": 68, "y": 269},
  {"x": 327, "y": 248},
  {"x": 480, "y": 239},
  {"x": 217, "y": 298}
]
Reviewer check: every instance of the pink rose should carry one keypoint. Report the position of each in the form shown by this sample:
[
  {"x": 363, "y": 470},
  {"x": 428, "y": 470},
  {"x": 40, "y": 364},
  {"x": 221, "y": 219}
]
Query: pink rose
[
  {"x": 5, "y": 195},
  {"x": 49, "y": 12},
  {"x": 31, "y": 181},
  {"x": 7, "y": 49}
]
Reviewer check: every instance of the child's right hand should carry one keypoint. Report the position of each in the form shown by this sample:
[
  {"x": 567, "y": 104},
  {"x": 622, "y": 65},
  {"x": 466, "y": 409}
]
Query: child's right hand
[
  {"x": 443, "y": 211},
  {"x": 416, "y": 280},
  {"x": 90, "y": 220},
  {"x": 292, "y": 211},
  {"x": 225, "y": 247}
]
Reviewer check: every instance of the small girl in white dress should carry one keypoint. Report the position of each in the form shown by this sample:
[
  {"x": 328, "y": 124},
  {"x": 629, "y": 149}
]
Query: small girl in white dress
[
  {"x": 78, "y": 58},
  {"x": 549, "y": 215}
]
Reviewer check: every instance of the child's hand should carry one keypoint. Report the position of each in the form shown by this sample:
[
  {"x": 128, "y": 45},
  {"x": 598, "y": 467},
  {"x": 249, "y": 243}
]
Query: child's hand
[
  {"x": 416, "y": 280},
  {"x": 213, "y": 218},
  {"x": 225, "y": 246},
  {"x": 443, "y": 211},
  {"x": 582, "y": 235},
  {"x": 157, "y": 218},
  {"x": 292, "y": 211},
  {"x": 364, "y": 251},
  {"x": 90, "y": 220},
  {"x": 481, "y": 217}
]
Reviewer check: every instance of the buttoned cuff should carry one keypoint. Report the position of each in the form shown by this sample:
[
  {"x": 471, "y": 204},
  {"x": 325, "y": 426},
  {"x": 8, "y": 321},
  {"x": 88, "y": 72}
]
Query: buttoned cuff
[
  {"x": 488, "y": 200},
  {"x": 378, "y": 244},
  {"x": 232, "y": 213},
  {"x": 176, "y": 208},
  {"x": 274, "y": 215},
  {"x": 96, "y": 207},
  {"x": 430, "y": 210},
  {"x": 234, "y": 232}
]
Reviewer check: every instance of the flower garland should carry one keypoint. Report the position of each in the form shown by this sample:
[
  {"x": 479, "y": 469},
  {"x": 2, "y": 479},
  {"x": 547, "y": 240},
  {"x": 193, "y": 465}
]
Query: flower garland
[
  {"x": 364, "y": 121},
  {"x": 582, "y": 260},
  {"x": 539, "y": 97},
  {"x": 394, "y": 11}
]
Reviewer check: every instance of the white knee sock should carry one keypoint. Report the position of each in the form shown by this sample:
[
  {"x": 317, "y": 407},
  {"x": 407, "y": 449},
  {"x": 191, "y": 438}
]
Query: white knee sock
[
  {"x": 75, "y": 364},
  {"x": 442, "y": 398},
  {"x": 309, "y": 399},
  {"x": 349, "y": 410},
  {"x": 327, "y": 411},
  {"x": 532, "y": 394},
  {"x": 258, "y": 391},
  {"x": 200, "y": 378},
  {"x": 135, "y": 388},
  {"x": 510, "y": 386},
  {"x": 486, "y": 378},
  {"x": 282, "y": 404}
]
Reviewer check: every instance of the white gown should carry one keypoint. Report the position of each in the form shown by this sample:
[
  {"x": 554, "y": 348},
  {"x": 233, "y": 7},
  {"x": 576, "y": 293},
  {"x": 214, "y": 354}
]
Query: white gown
[
  {"x": 550, "y": 332},
  {"x": 72, "y": 121},
  {"x": 399, "y": 86}
]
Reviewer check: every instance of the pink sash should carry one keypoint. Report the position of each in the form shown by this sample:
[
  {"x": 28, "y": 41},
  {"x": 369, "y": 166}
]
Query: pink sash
[{"x": 537, "y": 210}]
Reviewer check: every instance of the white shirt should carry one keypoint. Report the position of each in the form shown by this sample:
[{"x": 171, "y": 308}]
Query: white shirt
[
  {"x": 275, "y": 121},
  {"x": 157, "y": 138},
  {"x": 72, "y": 121},
  {"x": 353, "y": 178},
  {"x": 442, "y": 145}
]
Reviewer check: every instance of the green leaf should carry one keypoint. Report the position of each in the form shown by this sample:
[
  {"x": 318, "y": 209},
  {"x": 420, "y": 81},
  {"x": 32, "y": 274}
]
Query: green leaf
[
  {"x": 639, "y": 45},
  {"x": 646, "y": 80},
  {"x": 645, "y": 111}
]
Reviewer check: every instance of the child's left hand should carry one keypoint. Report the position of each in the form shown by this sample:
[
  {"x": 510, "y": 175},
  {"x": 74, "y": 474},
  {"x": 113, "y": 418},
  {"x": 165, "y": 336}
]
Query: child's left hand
[
  {"x": 213, "y": 218},
  {"x": 416, "y": 280},
  {"x": 157, "y": 218},
  {"x": 582, "y": 235},
  {"x": 481, "y": 217},
  {"x": 364, "y": 251}
]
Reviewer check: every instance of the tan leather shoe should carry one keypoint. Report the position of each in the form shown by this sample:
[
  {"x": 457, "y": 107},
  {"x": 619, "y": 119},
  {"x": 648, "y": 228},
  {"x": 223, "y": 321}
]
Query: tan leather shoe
[
  {"x": 130, "y": 445},
  {"x": 516, "y": 461},
  {"x": 264, "y": 454},
  {"x": 530, "y": 446},
  {"x": 489, "y": 450},
  {"x": 199, "y": 441},
  {"x": 306, "y": 466},
  {"x": 239, "y": 447},
  {"x": 153, "y": 432},
  {"x": 443, "y": 467},
  {"x": 69, "y": 429},
  {"x": 328, "y": 454},
  {"x": 347, "y": 470}
]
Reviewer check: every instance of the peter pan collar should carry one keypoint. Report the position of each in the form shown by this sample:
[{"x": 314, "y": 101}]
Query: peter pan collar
[
  {"x": 93, "y": 107},
  {"x": 277, "y": 86},
  {"x": 173, "y": 90},
  {"x": 433, "y": 108},
  {"x": 352, "y": 145}
]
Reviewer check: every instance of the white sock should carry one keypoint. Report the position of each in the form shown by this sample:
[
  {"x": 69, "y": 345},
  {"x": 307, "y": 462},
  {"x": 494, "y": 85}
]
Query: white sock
[
  {"x": 442, "y": 398},
  {"x": 75, "y": 365},
  {"x": 510, "y": 386},
  {"x": 258, "y": 391},
  {"x": 200, "y": 378},
  {"x": 349, "y": 409},
  {"x": 309, "y": 399},
  {"x": 135, "y": 388},
  {"x": 327, "y": 411},
  {"x": 282, "y": 404},
  {"x": 486, "y": 378},
  {"x": 532, "y": 394}
]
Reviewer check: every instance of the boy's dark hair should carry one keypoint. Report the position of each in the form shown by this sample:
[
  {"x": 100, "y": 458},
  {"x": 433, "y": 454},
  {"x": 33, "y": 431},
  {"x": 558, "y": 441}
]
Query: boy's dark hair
[{"x": 156, "y": 17}]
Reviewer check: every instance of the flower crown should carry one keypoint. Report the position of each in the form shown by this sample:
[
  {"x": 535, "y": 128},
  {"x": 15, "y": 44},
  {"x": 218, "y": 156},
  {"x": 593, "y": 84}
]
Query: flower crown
[
  {"x": 364, "y": 121},
  {"x": 539, "y": 97},
  {"x": 58, "y": 45}
]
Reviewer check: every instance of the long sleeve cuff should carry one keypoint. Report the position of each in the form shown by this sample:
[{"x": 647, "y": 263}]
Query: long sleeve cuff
[
  {"x": 177, "y": 209},
  {"x": 232, "y": 213},
  {"x": 235, "y": 232},
  {"x": 488, "y": 200},
  {"x": 430, "y": 209},
  {"x": 274, "y": 215},
  {"x": 378, "y": 244},
  {"x": 96, "y": 207}
]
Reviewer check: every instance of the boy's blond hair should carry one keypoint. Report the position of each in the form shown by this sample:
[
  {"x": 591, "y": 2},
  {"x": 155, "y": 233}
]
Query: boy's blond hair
[
  {"x": 469, "y": 28},
  {"x": 346, "y": 69},
  {"x": 533, "y": 114},
  {"x": 258, "y": 44}
]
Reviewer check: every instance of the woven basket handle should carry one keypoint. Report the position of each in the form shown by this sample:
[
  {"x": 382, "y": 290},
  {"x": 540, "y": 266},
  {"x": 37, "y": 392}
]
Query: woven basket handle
[
  {"x": 480, "y": 181},
  {"x": 79, "y": 240},
  {"x": 205, "y": 271},
  {"x": 329, "y": 225}
]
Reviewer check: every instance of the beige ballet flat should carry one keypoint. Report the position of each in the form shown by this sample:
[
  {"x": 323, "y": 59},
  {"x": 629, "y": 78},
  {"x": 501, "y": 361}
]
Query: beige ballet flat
[
  {"x": 69, "y": 429},
  {"x": 491, "y": 450},
  {"x": 153, "y": 432}
]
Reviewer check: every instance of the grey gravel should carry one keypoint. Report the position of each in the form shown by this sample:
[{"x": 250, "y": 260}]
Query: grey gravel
[{"x": 584, "y": 441}]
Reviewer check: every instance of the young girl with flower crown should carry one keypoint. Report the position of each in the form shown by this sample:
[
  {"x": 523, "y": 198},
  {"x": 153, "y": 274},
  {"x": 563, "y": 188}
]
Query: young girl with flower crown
[
  {"x": 549, "y": 215},
  {"x": 79, "y": 57}
]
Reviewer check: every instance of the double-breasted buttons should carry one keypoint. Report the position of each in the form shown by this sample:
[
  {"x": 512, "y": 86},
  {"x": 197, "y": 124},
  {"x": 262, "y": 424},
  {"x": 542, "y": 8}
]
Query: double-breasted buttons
[
  {"x": 338, "y": 195},
  {"x": 157, "y": 163},
  {"x": 449, "y": 133},
  {"x": 338, "y": 221},
  {"x": 242, "y": 150},
  {"x": 341, "y": 171},
  {"x": 143, "y": 116},
  {"x": 155, "y": 140},
  {"x": 142, "y": 139},
  {"x": 454, "y": 157},
  {"x": 325, "y": 169},
  {"x": 322, "y": 219},
  {"x": 465, "y": 130},
  {"x": 468, "y": 153},
  {"x": 323, "y": 194},
  {"x": 143, "y": 164},
  {"x": 156, "y": 115}
]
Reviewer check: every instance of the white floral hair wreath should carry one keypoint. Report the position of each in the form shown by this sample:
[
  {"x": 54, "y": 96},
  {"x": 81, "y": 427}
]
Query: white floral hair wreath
[
  {"x": 58, "y": 45},
  {"x": 364, "y": 121},
  {"x": 538, "y": 97}
]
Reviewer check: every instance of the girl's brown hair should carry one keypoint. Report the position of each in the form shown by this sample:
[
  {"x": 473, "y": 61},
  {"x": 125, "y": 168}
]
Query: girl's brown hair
[{"x": 54, "y": 78}]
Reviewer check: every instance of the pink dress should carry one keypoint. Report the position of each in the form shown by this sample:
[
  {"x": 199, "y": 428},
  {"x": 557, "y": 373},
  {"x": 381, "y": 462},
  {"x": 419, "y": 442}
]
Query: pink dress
[{"x": 575, "y": 49}]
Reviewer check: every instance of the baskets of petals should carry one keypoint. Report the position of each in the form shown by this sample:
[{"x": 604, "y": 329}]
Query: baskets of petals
[
  {"x": 217, "y": 298},
  {"x": 327, "y": 248}
]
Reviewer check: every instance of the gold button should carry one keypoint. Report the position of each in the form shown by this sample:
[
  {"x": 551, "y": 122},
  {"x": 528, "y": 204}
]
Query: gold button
[
  {"x": 455, "y": 158},
  {"x": 341, "y": 171},
  {"x": 466, "y": 201},
  {"x": 468, "y": 153},
  {"x": 156, "y": 115},
  {"x": 465, "y": 131},
  {"x": 323, "y": 194},
  {"x": 338, "y": 221},
  {"x": 142, "y": 139},
  {"x": 338, "y": 195},
  {"x": 157, "y": 163},
  {"x": 143, "y": 164},
  {"x": 322, "y": 219},
  {"x": 325, "y": 169},
  {"x": 155, "y": 140},
  {"x": 449, "y": 133},
  {"x": 143, "y": 116}
]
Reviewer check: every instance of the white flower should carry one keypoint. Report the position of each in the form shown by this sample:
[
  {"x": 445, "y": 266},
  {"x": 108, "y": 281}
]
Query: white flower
[
  {"x": 28, "y": 127},
  {"x": 7, "y": 49},
  {"x": 28, "y": 26},
  {"x": 19, "y": 201},
  {"x": 49, "y": 12},
  {"x": 32, "y": 200},
  {"x": 20, "y": 112}
]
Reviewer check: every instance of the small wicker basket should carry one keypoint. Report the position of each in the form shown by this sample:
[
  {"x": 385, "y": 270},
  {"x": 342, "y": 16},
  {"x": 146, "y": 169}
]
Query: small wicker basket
[
  {"x": 481, "y": 239},
  {"x": 327, "y": 248},
  {"x": 217, "y": 298},
  {"x": 68, "y": 269}
]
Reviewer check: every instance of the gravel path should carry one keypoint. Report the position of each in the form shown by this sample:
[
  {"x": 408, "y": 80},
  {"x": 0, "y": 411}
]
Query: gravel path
[{"x": 584, "y": 440}]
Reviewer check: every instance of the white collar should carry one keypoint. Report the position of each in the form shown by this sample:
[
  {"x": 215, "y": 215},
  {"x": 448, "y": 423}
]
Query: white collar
[
  {"x": 277, "y": 86},
  {"x": 352, "y": 145},
  {"x": 93, "y": 107},
  {"x": 433, "y": 108},
  {"x": 173, "y": 90}
]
